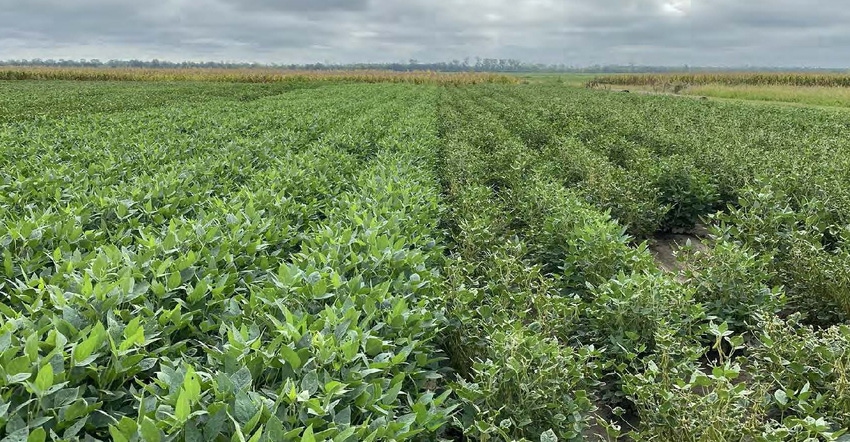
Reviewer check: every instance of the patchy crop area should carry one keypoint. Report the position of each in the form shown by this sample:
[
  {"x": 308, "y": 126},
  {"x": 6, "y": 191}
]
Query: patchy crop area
[
  {"x": 826, "y": 89},
  {"x": 346, "y": 261}
]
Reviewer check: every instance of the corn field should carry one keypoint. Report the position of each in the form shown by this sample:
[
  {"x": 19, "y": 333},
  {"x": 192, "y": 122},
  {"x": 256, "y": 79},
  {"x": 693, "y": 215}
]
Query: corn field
[
  {"x": 728, "y": 79},
  {"x": 250, "y": 75}
]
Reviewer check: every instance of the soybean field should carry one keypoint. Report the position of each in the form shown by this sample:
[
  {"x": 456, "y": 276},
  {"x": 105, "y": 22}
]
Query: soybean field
[{"x": 380, "y": 257}]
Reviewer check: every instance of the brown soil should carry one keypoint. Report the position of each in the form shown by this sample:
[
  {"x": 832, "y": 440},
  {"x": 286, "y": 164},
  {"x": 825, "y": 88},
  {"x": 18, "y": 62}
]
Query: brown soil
[{"x": 665, "y": 248}]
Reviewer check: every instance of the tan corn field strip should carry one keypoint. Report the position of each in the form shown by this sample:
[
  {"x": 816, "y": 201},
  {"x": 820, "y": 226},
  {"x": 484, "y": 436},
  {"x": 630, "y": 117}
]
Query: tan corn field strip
[
  {"x": 250, "y": 75},
  {"x": 729, "y": 79}
]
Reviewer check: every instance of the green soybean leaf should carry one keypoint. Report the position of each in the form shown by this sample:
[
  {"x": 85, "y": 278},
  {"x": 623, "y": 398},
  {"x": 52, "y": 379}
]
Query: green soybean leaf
[
  {"x": 291, "y": 357},
  {"x": 781, "y": 397},
  {"x": 274, "y": 430},
  {"x": 20, "y": 435},
  {"x": 308, "y": 435},
  {"x": 257, "y": 435},
  {"x": 117, "y": 435},
  {"x": 242, "y": 379},
  {"x": 343, "y": 436},
  {"x": 84, "y": 350},
  {"x": 183, "y": 408},
  {"x": 7, "y": 264},
  {"x": 44, "y": 379},
  {"x": 37, "y": 435},
  {"x": 548, "y": 436},
  {"x": 149, "y": 430}
]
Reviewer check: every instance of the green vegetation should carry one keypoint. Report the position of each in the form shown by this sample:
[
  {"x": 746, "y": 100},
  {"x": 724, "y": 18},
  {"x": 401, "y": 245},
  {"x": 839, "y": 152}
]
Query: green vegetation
[
  {"x": 325, "y": 261},
  {"x": 24, "y": 100},
  {"x": 543, "y": 270},
  {"x": 261, "y": 270}
]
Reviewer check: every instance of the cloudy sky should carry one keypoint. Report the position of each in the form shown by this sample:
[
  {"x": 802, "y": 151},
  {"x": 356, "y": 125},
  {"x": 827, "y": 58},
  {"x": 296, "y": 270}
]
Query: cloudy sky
[{"x": 573, "y": 32}]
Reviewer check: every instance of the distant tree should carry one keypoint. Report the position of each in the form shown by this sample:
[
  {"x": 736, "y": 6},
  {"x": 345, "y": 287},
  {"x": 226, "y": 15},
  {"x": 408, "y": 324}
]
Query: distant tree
[{"x": 481, "y": 65}]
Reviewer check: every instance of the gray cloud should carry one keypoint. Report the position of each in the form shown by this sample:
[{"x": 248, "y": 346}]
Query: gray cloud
[
  {"x": 301, "y": 6},
  {"x": 577, "y": 32}
]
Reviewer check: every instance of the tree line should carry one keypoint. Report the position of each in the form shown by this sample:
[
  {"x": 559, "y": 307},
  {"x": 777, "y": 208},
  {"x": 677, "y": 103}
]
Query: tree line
[{"x": 477, "y": 64}]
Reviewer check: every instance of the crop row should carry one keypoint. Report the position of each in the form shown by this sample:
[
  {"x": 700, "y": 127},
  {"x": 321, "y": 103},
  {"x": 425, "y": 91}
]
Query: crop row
[
  {"x": 572, "y": 328},
  {"x": 259, "y": 271},
  {"x": 662, "y": 164},
  {"x": 25, "y": 100}
]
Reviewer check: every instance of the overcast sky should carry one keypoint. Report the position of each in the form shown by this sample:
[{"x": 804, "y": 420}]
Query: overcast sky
[{"x": 573, "y": 32}]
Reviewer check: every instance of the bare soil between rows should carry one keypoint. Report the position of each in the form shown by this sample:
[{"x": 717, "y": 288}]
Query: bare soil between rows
[{"x": 665, "y": 248}]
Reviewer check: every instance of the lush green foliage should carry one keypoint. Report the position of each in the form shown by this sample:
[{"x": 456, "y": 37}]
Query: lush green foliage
[
  {"x": 659, "y": 163},
  {"x": 253, "y": 271},
  {"x": 28, "y": 100},
  {"x": 388, "y": 262}
]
